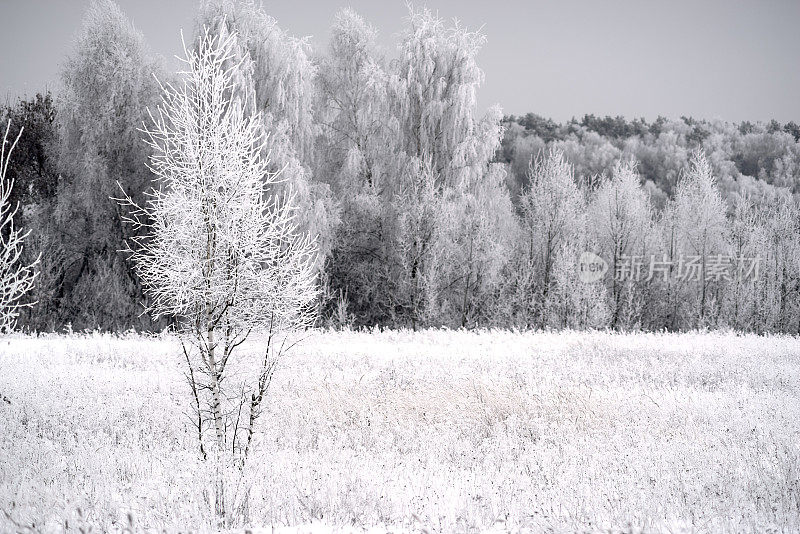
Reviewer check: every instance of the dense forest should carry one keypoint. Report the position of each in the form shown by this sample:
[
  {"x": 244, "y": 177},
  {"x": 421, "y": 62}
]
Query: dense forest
[
  {"x": 425, "y": 213},
  {"x": 755, "y": 160}
]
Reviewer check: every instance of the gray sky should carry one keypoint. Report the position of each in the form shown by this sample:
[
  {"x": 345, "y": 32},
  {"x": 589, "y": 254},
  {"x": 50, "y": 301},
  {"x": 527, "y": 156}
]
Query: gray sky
[{"x": 709, "y": 59}]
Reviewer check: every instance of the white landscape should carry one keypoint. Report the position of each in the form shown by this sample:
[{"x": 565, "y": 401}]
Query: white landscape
[
  {"x": 437, "y": 431},
  {"x": 321, "y": 282}
]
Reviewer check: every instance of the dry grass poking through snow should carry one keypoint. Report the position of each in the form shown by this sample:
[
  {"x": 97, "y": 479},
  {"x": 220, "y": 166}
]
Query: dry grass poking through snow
[{"x": 448, "y": 431}]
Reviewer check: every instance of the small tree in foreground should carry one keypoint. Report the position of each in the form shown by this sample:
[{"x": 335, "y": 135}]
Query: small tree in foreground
[
  {"x": 16, "y": 279},
  {"x": 220, "y": 254}
]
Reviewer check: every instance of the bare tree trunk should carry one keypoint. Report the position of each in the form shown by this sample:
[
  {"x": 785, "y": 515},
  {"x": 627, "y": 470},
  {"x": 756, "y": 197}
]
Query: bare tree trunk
[
  {"x": 216, "y": 412},
  {"x": 703, "y": 285},
  {"x": 196, "y": 397},
  {"x": 466, "y": 288}
]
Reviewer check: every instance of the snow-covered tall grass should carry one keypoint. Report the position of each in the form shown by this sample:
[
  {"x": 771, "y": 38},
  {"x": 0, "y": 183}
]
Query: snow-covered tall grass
[{"x": 441, "y": 430}]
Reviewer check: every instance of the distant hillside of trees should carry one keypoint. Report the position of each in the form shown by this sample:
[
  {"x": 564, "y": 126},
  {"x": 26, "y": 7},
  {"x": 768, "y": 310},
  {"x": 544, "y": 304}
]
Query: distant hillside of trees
[{"x": 758, "y": 160}]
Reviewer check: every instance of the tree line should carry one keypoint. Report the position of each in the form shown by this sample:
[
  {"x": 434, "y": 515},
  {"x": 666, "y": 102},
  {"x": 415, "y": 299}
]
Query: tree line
[{"x": 424, "y": 212}]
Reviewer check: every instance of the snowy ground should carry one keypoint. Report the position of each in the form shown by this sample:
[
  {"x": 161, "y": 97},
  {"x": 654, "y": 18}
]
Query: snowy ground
[{"x": 438, "y": 431}]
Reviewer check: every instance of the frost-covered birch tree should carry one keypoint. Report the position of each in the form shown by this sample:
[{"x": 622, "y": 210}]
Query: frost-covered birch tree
[
  {"x": 358, "y": 148},
  {"x": 620, "y": 221},
  {"x": 107, "y": 87},
  {"x": 702, "y": 226},
  {"x": 16, "y": 277},
  {"x": 220, "y": 253},
  {"x": 424, "y": 210},
  {"x": 275, "y": 74},
  {"x": 478, "y": 224},
  {"x": 571, "y": 302},
  {"x": 776, "y": 299},
  {"x": 434, "y": 99},
  {"x": 552, "y": 216},
  {"x": 354, "y": 107}
]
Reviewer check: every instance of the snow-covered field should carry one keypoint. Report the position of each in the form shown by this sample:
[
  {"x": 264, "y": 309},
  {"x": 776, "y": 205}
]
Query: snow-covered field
[{"x": 439, "y": 431}]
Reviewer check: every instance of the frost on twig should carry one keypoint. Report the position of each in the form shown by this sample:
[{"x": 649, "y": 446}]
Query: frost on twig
[{"x": 16, "y": 278}]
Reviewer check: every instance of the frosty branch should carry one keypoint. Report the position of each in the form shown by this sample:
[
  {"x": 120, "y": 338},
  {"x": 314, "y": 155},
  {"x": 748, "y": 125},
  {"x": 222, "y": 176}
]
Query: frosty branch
[{"x": 16, "y": 279}]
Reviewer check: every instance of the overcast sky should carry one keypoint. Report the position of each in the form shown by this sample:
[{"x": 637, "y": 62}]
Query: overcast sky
[{"x": 638, "y": 58}]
